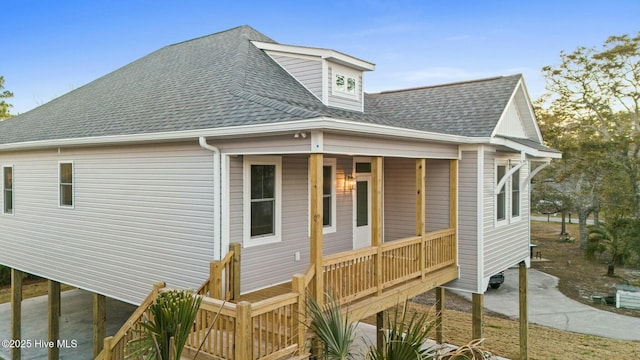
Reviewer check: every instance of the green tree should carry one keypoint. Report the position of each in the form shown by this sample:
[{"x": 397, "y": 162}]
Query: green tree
[
  {"x": 4, "y": 106},
  {"x": 614, "y": 238},
  {"x": 593, "y": 97}
]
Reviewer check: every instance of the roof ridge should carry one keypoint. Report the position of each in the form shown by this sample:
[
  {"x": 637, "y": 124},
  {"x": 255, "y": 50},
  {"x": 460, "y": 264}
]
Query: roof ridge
[
  {"x": 445, "y": 84},
  {"x": 242, "y": 28}
]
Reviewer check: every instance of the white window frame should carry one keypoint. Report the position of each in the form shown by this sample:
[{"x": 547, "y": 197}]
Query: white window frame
[
  {"x": 331, "y": 162},
  {"x": 73, "y": 185},
  {"x": 13, "y": 196},
  {"x": 337, "y": 70},
  {"x": 249, "y": 241},
  {"x": 515, "y": 218},
  {"x": 507, "y": 188},
  {"x": 509, "y": 218}
]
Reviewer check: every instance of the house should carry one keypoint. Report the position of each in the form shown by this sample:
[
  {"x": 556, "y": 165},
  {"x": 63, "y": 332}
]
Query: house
[{"x": 154, "y": 170}]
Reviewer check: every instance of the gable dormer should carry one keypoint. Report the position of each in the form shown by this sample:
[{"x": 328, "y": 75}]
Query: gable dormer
[{"x": 333, "y": 77}]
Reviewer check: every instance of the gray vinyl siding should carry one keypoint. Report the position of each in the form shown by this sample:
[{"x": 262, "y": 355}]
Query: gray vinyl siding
[
  {"x": 505, "y": 244},
  {"x": 400, "y": 197},
  {"x": 344, "y": 102},
  {"x": 437, "y": 203},
  {"x": 308, "y": 72},
  {"x": 370, "y": 146},
  {"x": 270, "y": 264},
  {"x": 467, "y": 222},
  {"x": 142, "y": 214},
  {"x": 278, "y": 144}
]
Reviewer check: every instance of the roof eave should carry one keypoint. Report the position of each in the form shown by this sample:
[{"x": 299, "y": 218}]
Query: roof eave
[
  {"x": 320, "y": 123},
  {"x": 328, "y": 54},
  {"x": 537, "y": 153}
]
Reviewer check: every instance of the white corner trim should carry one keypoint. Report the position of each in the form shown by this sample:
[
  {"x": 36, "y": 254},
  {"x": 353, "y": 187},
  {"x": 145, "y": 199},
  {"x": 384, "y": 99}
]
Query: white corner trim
[{"x": 480, "y": 212}]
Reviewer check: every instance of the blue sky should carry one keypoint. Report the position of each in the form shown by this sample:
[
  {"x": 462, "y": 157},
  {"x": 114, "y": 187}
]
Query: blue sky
[{"x": 52, "y": 47}]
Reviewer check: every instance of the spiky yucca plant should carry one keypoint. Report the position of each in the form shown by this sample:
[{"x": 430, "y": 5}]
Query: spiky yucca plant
[
  {"x": 404, "y": 337},
  {"x": 334, "y": 331},
  {"x": 470, "y": 351},
  {"x": 172, "y": 316}
]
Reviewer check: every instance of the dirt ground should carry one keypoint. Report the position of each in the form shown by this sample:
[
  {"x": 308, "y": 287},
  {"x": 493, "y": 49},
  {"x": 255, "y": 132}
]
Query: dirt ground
[{"x": 580, "y": 278}]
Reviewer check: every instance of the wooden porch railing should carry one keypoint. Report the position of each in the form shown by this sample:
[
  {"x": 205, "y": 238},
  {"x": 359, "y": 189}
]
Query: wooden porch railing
[
  {"x": 275, "y": 328},
  {"x": 352, "y": 274}
]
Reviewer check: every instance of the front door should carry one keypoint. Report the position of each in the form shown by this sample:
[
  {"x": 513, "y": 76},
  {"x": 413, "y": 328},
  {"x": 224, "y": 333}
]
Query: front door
[{"x": 362, "y": 207}]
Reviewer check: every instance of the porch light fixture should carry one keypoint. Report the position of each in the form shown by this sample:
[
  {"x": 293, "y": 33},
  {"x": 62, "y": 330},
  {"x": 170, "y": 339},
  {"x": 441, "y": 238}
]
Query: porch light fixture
[
  {"x": 349, "y": 183},
  {"x": 299, "y": 135}
]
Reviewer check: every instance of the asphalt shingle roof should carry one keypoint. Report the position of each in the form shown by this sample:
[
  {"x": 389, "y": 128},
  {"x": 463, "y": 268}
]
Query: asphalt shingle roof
[{"x": 223, "y": 80}]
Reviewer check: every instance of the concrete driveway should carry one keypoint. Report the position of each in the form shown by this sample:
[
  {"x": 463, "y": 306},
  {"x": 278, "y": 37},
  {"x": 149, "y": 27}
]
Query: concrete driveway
[
  {"x": 549, "y": 307},
  {"x": 76, "y": 324}
]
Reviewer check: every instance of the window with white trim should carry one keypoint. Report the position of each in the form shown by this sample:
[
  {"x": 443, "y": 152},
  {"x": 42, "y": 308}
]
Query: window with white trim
[
  {"x": 65, "y": 184},
  {"x": 345, "y": 82},
  {"x": 501, "y": 197},
  {"x": 329, "y": 195},
  {"x": 262, "y": 180},
  {"x": 508, "y": 199},
  {"x": 515, "y": 194},
  {"x": 7, "y": 189}
]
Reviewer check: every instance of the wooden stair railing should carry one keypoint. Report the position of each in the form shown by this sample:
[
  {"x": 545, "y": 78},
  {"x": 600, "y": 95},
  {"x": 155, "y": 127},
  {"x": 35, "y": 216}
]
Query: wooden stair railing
[
  {"x": 224, "y": 276},
  {"x": 114, "y": 346}
]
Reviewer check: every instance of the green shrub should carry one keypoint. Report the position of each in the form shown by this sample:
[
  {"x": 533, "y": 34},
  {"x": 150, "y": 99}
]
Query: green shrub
[
  {"x": 334, "y": 331},
  {"x": 5, "y": 275},
  {"x": 405, "y": 336},
  {"x": 172, "y": 316}
]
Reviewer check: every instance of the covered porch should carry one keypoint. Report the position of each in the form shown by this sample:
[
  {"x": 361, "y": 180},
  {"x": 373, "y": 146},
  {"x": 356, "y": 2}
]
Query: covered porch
[{"x": 269, "y": 323}]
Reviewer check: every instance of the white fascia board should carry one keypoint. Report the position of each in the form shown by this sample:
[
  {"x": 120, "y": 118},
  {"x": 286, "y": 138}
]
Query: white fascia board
[
  {"x": 319, "y": 52},
  {"x": 320, "y": 123},
  {"x": 526, "y": 149},
  {"x": 529, "y": 109}
]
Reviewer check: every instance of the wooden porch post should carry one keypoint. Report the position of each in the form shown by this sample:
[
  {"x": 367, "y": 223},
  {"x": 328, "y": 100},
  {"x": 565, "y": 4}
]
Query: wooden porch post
[
  {"x": 380, "y": 332},
  {"x": 16, "y": 310},
  {"x": 476, "y": 316},
  {"x": 244, "y": 327},
  {"x": 453, "y": 193},
  {"x": 235, "y": 266},
  {"x": 99, "y": 322},
  {"x": 316, "y": 222},
  {"x": 524, "y": 311},
  {"x": 421, "y": 173},
  {"x": 298, "y": 286},
  {"x": 453, "y": 204},
  {"x": 54, "y": 318},
  {"x": 376, "y": 215},
  {"x": 215, "y": 283},
  {"x": 439, "y": 314}
]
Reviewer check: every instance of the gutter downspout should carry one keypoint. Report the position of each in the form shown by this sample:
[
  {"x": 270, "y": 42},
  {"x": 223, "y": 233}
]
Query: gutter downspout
[{"x": 217, "y": 197}]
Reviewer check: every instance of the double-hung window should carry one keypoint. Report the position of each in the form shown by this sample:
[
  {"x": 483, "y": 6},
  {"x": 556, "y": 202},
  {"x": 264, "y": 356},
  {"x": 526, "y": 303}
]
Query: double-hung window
[
  {"x": 329, "y": 196},
  {"x": 7, "y": 189},
  {"x": 263, "y": 199},
  {"x": 501, "y": 197},
  {"x": 515, "y": 194},
  {"x": 65, "y": 184},
  {"x": 507, "y": 198}
]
